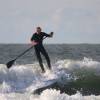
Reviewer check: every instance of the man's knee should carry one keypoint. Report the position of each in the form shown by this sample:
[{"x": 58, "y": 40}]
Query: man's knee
[
  {"x": 39, "y": 58},
  {"x": 40, "y": 61},
  {"x": 48, "y": 59}
]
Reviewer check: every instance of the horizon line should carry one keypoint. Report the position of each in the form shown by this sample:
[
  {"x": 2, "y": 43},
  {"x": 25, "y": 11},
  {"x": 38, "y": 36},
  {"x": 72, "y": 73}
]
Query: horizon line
[{"x": 48, "y": 43}]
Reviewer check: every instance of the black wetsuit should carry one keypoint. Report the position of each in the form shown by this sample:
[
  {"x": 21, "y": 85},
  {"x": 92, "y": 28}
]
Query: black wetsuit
[{"x": 40, "y": 49}]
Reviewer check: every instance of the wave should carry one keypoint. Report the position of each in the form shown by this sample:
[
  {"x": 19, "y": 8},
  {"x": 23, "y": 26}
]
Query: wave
[
  {"x": 48, "y": 94},
  {"x": 70, "y": 73}
]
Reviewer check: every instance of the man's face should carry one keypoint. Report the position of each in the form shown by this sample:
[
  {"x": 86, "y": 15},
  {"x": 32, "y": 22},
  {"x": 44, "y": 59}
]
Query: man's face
[{"x": 38, "y": 29}]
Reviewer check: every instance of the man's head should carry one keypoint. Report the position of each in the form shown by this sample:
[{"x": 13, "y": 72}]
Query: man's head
[{"x": 38, "y": 29}]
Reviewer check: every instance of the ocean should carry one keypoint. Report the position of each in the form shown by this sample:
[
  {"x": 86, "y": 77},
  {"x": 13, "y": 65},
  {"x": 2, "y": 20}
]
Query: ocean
[{"x": 75, "y": 73}]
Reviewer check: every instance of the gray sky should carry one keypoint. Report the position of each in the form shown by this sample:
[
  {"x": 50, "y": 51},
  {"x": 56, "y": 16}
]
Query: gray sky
[{"x": 73, "y": 21}]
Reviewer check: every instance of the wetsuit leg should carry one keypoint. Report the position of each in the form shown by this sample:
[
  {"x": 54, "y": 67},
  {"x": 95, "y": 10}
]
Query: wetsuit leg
[
  {"x": 39, "y": 59},
  {"x": 43, "y": 51}
]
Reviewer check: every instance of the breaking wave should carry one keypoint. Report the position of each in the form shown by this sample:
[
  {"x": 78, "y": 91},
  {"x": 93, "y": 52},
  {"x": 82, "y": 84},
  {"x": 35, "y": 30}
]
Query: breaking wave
[{"x": 22, "y": 80}]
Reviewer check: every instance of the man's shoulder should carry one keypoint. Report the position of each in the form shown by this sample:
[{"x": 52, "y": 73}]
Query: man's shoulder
[
  {"x": 43, "y": 32},
  {"x": 34, "y": 33}
]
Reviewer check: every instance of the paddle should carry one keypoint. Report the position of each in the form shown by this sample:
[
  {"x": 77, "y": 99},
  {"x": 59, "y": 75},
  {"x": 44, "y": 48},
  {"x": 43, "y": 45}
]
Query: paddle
[{"x": 10, "y": 63}]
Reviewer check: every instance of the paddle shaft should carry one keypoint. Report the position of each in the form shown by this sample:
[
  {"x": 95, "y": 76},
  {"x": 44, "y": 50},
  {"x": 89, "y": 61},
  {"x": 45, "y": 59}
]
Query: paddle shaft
[{"x": 23, "y": 53}]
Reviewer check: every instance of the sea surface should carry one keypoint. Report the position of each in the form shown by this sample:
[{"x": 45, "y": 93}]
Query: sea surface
[{"x": 75, "y": 73}]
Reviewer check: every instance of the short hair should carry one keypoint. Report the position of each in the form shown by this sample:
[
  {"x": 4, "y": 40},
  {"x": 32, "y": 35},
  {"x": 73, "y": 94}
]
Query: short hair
[{"x": 38, "y": 27}]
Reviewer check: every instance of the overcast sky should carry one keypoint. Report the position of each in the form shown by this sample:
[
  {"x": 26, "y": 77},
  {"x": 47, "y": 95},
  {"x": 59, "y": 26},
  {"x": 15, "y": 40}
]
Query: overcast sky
[{"x": 73, "y": 21}]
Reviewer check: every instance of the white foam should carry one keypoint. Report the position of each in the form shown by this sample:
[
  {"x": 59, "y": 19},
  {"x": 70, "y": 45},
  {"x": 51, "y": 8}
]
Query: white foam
[
  {"x": 86, "y": 63},
  {"x": 26, "y": 78},
  {"x": 48, "y": 94}
]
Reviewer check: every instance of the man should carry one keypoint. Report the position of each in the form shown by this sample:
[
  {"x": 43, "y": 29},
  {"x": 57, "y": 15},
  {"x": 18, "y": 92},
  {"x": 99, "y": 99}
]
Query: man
[{"x": 37, "y": 41}]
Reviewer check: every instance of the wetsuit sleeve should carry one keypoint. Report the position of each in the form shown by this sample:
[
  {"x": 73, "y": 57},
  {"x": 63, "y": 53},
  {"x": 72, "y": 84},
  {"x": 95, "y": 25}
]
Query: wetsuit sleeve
[
  {"x": 47, "y": 35},
  {"x": 32, "y": 38}
]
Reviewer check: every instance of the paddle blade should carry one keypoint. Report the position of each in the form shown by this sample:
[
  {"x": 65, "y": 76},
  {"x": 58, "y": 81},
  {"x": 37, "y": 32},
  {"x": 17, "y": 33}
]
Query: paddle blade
[{"x": 10, "y": 63}]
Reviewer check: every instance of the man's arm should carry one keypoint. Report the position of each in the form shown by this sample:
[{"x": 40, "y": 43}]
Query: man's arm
[
  {"x": 32, "y": 38},
  {"x": 33, "y": 41},
  {"x": 48, "y": 35}
]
